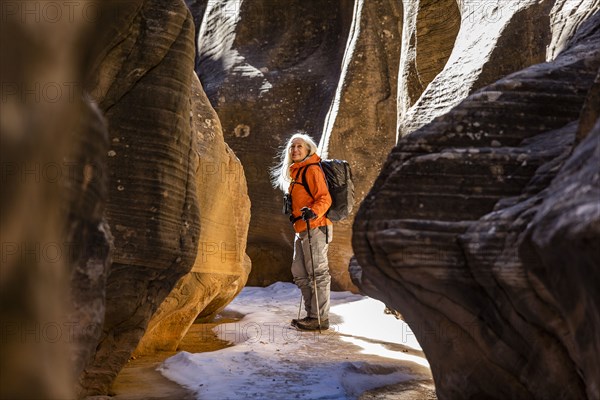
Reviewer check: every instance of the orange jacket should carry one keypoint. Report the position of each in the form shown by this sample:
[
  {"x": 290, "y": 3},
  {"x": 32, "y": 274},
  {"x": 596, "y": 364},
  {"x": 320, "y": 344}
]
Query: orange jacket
[{"x": 321, "y": 200}]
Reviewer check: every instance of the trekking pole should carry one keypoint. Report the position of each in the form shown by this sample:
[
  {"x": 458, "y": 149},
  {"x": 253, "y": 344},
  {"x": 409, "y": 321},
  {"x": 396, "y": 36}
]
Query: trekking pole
[
  {"x": 312, "y": 262},
  {"x": 300, "y": 305}
]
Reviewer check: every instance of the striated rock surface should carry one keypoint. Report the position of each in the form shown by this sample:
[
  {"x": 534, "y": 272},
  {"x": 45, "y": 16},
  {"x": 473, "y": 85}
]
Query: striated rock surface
[
  {"x": 449, "y": 51},
  {"x": 142, "y": 84},
  {"x": 482, "y": 230},
  {"x": 101, "y": 195},
  {"x": 222, "y": 266},
  {"x": 565, "y": 232},
  {"x": 361, "y": 124},
  {"x": 565, "y": 18},
  {"x": 270, "y": 68}
]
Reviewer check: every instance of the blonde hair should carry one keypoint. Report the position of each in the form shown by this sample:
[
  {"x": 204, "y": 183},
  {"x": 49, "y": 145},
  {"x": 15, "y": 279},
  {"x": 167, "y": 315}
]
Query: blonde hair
[{"x": 280, "y": 174}]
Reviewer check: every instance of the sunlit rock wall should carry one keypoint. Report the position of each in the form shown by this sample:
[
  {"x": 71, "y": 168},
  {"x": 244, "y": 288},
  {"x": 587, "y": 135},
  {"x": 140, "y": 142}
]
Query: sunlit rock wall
[
  {"x": 494, "y": 39},
  {"x": 482, "y": 229},
  {"x": 221, "y": 267},
  {"x": 270, "y": 68},
  {"x": 109, "y": 150}
]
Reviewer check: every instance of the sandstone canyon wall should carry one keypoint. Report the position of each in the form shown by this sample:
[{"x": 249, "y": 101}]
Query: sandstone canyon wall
[
  {"x": 270, "y": 68},
  {"x": 170, "y": 174},
  {"x": 130, "y": 164},
  {"x": 143, "y": 87},
  {"x": 482, "y": 228},
  {"x": 221, "y": 267}
]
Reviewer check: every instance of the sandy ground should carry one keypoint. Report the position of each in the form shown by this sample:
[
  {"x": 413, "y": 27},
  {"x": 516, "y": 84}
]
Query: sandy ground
[{"x": 140, "y": 380}]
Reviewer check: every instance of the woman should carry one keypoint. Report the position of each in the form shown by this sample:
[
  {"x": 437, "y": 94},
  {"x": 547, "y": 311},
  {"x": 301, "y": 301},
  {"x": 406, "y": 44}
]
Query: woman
[{"x": 300, "y": 176}]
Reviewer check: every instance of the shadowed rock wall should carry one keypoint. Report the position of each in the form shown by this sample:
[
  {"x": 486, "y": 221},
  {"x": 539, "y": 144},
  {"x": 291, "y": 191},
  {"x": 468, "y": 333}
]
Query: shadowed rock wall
[
  {"x": 55, "y": 240},
  {"x": 564, "y": 232},
  {"x": 451, "y": 234}
]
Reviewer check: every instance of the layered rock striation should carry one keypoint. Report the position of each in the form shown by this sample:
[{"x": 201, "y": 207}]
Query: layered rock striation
[
  {"x": 121, "y": 161},
  {"x": 142, "y": 84},
  {"x": 221, "y": 268},
  {"x": 482, "y": 230}
]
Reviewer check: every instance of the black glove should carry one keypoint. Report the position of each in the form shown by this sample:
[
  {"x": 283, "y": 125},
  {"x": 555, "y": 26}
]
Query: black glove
[{"x": 307, "y": 213}]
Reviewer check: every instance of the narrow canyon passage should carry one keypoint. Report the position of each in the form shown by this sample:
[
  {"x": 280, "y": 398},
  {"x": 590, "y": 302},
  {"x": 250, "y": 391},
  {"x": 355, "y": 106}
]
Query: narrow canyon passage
[{"x": 137, "y": 141}]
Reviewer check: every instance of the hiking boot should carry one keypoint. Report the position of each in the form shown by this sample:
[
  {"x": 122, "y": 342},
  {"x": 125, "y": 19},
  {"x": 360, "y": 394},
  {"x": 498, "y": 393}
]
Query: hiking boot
[
  {"x": 295, "y": 321},
  {"x": 312, "y": 324}
]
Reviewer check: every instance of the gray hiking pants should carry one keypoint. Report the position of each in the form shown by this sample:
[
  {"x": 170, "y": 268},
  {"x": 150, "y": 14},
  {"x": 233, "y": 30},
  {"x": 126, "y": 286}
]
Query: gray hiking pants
[{"x": 302, "y": 270}]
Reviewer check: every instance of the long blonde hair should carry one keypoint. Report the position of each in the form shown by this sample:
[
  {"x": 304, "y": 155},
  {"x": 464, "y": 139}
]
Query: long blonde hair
[{"x": 280, "y": 174}]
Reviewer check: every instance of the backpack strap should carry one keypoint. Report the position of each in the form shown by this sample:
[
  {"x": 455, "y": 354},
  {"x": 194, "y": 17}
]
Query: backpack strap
[
  {"x": 304, "y": 184},
  {"x": 294, "y": 181}
]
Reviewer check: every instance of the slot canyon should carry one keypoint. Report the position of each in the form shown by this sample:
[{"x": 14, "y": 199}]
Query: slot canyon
[{"x": 141, "y": 230}]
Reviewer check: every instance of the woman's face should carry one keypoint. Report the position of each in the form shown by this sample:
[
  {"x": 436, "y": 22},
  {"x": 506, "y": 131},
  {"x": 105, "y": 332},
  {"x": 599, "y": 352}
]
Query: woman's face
[{"x": 298, "y": 150}]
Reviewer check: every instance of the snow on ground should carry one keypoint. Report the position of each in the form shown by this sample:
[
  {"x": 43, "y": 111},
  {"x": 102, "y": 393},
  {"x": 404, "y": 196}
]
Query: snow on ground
[{"x": 363, "y": 349}]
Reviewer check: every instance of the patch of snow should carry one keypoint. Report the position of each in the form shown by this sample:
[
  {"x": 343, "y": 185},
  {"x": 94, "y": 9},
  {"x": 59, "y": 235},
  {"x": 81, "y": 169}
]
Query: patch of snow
[{"x": 364, "y": 349}]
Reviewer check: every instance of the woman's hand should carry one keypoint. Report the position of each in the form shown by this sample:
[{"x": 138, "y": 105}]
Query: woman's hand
[{"x": 307, "y": 213}]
